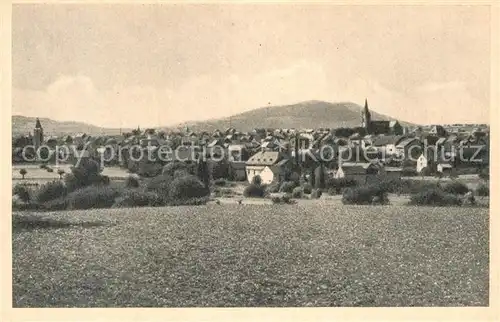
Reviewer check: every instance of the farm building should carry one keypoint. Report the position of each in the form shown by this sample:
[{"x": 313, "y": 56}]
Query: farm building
[
  {"x": 392, "y": 172},
  {"x": 386, "y": 143},
  {"x": 362, "y": 172},
  {"x": 271, "y": 166},
  {"x": 237, "y": 170},
  {"x": 409, "y": 148},
  {"x": 237, "y": 152}
]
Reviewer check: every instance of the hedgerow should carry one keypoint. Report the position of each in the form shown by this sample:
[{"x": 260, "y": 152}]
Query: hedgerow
[
  {"x": 365, "y": 195},
  {"x": 435, "y": 197},
  {"x": 50, "y": 191}
]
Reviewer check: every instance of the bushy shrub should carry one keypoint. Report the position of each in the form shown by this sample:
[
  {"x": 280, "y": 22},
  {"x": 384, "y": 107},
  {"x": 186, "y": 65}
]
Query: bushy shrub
[
  {"x": 57, "y": 204},
  {"x": 148, "y": 169},
  {"x": 307, "y": 188},
  {"x": 103, "y": 180},
  {"x": 86, "y": 173},
  {"x": 160, "y": 184},
  {"x": 294, "y": 177},
  {"x": 484, "y": 173},
  {"x": 171, "y": 167},
  {"x": 22, "y": 192},
  {"x": 274, "y": 188},
  {"x": 288, "y": 186},
  {"x": 180, "y": 173},
  {"x": 285, "y": 199},
  {"x": 335, "y": 186},
  {"x": 137, "y": 198},
  {"x": 456, "y": 187},
  {"x": 50, "y": 170},
  {"x": 426, "y": 171},
  {"x": 435, "y": 197},
  {"x": 276, "y": 199},
  {"x": 223, "y": 192},
  {"x": 297, "y": 192},
  {"x": 365, "y": 195},
  {"x": 61, "y": 172},
  {"x": 409, "y": 172},
  {"x": 92, "y": 197},
  {"x": 254, "y": 191},
  {"x": 132, "y": 182},
  {"x": 390, "y": 185},
  {"x": 187, "y": 187},
  {"x": 414, "y": 186},
  {"x": 483, "y": 190},
  {"x": 43, "y": 166},
  {"x": 50, "y": 191},
  {"x": 333, "y": 191},
  {"x": 316, "y": 193},
  {"x": 218, "y": 169},
  {"x": 257, "y": 180}
]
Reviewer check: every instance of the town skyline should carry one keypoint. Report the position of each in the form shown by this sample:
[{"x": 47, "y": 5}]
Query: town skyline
[{"x": 125, "y": 65}]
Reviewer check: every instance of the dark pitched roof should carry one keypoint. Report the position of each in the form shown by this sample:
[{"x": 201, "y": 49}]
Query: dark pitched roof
[
  {"x": 358, "y": 167},
  {"x": 265, "y": 158},
  {"x": 404, "y": 142},
  {"x": 383, "y": 140},
  {"x": 356, "y": 154}
]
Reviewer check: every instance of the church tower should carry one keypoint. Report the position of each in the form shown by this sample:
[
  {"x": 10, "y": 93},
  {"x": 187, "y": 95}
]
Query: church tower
[
  {"x": 38, "y": 134},
  {"x": 366, "y": 117}
]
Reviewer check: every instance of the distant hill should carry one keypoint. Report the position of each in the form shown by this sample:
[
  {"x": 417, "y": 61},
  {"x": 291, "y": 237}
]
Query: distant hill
[
  {"x": 24, "y": 125},
  {"x": 304, "y": 115}
]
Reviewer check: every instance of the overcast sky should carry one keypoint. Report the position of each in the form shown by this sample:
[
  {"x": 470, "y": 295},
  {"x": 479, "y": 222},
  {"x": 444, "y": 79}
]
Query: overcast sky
[{"x": 150, "y": 65}]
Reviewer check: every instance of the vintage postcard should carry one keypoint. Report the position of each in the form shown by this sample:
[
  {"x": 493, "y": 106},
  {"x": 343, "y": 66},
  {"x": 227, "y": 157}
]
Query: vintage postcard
[{"x": 307, "y": 159}]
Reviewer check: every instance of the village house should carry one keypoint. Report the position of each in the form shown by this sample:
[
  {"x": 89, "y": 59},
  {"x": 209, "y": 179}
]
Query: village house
[
  {"x": 409, "y": 148},
  {"x": 386, "y": 144},
  {"x": 237, "y": 152},
  {"x": 427, "y": 159},
  {"x": 362, "y": 172},
  {"x": 150, "y": 140},
  {"x": 51, "y": 142},
  {"x": 271, "y": 166},
  {"x": 356, "y": 154},
  {"x": 80, "y": 139},
  {"x": 437, "y": 130},
  {"x": 67, "y": 139},
  {"x": 237, "y": 170}
]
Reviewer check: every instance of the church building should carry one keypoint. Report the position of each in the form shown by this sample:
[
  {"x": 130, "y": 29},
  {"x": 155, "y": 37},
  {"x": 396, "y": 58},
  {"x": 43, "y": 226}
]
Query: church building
[
  {"x": 378, "y": 127},
  {"x": 37, "y": 134}
]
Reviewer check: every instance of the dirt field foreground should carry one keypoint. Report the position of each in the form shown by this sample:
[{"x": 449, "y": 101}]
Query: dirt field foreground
[{"x": 252, "y": 255}]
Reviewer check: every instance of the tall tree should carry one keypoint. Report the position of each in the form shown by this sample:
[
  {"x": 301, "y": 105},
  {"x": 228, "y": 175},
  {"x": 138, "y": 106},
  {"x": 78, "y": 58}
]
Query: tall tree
[
  {"x": 319, "y": 174},
  {"x": 202, "y": 172}
]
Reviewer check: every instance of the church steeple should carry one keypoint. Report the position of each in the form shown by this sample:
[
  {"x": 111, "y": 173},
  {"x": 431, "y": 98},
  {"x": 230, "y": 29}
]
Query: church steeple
[
  {"x": 366, "y": 117},
  {"x": 37, "y": 134},
  {"x": 38, "y": 125}
]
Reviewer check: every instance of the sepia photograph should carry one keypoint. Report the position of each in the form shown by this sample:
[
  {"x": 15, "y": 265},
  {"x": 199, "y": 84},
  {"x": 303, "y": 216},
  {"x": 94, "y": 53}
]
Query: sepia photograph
[{"x": 225, "y": 155}]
